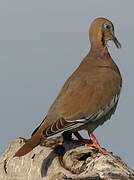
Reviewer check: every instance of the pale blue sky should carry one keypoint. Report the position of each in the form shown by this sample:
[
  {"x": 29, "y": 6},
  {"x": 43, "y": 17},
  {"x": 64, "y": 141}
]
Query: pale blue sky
[{"x": 41, "y": 44}]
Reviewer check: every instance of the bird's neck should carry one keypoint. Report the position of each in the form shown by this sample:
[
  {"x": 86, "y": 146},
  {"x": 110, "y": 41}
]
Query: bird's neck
[
  {"x": 99, "y": 55},
  {"x": 99, "y": 51}
]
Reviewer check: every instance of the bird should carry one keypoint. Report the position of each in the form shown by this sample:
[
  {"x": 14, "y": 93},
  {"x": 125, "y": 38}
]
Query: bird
[{"x": 89, "y": 97}]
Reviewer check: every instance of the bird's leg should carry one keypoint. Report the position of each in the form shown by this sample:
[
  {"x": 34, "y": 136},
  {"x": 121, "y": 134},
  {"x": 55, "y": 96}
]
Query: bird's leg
[
  {"x": 80, "y": 138},
  {"x": 96, "y": 144}
]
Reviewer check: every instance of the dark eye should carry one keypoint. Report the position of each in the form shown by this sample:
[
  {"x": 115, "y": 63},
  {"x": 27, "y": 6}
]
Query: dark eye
[{"x": 107, "y": 26}]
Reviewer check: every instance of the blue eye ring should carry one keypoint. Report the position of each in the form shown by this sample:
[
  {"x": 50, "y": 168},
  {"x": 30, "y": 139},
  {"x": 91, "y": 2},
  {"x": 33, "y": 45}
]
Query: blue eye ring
[{"x": 107, "y": 26}]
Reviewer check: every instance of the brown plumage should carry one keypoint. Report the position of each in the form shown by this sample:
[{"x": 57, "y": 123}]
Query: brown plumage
[{"x": 90, "y": 95}]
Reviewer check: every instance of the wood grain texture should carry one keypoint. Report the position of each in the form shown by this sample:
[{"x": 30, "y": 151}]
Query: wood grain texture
[{"x": 77, "y": 163}]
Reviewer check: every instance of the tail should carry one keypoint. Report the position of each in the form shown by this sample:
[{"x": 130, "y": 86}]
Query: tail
[{"x": 29, "y": 145}]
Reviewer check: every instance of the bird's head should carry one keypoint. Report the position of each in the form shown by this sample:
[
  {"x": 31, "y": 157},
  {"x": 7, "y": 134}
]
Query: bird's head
[{"x": 101, "y": 31}]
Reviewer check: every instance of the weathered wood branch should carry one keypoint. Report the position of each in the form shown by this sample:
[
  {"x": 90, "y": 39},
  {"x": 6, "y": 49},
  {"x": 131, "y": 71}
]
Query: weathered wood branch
[{"x": 71, "y": 161}]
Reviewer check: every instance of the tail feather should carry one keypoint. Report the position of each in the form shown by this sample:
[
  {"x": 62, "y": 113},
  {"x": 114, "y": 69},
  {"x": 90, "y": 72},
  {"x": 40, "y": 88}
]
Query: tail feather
[{"x": 29, "y": 145}]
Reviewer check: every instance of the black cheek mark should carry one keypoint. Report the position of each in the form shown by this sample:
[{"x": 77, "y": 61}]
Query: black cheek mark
[{"x": 103, "y": 40}]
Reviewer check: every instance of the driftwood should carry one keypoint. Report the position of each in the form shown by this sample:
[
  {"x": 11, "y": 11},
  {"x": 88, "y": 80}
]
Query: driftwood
[{"x": 69, "y": 161}]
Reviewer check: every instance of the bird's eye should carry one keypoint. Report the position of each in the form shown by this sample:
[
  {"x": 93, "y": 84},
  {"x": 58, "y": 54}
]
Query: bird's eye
[{"x": 107, "y": 26}]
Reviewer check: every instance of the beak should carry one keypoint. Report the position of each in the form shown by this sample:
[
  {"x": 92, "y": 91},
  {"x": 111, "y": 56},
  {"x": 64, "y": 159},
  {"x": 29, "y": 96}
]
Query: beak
[{"x": 116, "y": 42}]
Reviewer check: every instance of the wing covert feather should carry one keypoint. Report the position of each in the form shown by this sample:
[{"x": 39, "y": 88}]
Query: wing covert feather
[{"x": 88, "y": 93}]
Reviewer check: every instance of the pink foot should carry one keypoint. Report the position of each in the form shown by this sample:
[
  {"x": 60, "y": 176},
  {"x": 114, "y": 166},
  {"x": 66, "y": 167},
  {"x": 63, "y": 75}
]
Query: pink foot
[{"x": 96, "y": 144}]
